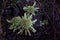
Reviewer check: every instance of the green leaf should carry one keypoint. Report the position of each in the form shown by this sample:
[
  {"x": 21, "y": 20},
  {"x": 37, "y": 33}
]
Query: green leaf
[
  {"x": 28, "y": 32},
  {"x": 32, "y": 29}
]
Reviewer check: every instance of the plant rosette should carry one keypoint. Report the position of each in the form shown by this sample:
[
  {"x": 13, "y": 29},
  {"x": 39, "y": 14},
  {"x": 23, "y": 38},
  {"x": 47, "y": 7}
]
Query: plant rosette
[
  {"x": 31, "y": 9},
  {"x": 23, "y": 23}
]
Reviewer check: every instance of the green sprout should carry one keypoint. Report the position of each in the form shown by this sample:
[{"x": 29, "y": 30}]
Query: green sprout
[
  {"x": 31, "y": 9},
  {"x": 45, "y": 22},
  {"x": 23, "y": 23}
]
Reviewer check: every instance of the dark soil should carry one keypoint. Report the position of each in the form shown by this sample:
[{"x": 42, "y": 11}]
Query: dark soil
[{"x": 49, "y": 9}]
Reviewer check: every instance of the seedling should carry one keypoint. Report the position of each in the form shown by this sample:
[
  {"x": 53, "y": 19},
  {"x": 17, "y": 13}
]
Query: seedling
[
  {"x": 31, "y": 9},
  {"x": 23, "y": 24},
  {"x": 45, "y": 22}
]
